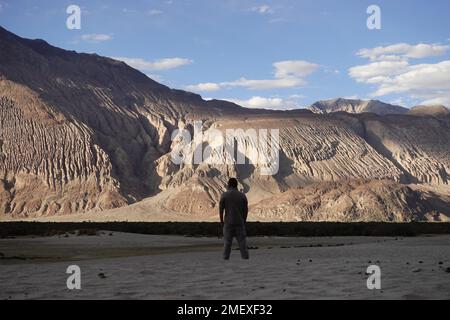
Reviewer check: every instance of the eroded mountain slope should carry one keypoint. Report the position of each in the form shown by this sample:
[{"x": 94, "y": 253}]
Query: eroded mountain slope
[{"x": 81, "y": 133}]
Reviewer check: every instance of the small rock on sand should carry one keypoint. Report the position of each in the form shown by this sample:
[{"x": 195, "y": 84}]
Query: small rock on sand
[
  {"x": 101, "y": 275},
  {"x": 417, "y": 270}
]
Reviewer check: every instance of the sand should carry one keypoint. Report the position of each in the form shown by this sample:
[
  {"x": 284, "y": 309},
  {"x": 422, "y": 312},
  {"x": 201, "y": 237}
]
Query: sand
[{"x": 173, "y": 267}]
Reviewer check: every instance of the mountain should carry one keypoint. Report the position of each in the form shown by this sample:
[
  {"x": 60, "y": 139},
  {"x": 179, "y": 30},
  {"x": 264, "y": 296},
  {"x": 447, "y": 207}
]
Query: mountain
[
  {"x": 80, "y": 131},
  {"x": 354, "y": 200},
  {"x": 89, "y": 136},
  {"x": 430, "y": 110},
  {"x": 356, "y": 106}
]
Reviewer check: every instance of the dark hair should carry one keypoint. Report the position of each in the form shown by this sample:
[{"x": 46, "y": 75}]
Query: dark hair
[{"x": 232, "y": 183}]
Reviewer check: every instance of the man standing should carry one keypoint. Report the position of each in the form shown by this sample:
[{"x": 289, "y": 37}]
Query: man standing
[{"x": 235, "y": 205}]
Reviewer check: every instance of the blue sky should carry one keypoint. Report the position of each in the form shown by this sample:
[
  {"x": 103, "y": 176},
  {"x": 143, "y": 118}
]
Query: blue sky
[{"x": 274, "y": 54}]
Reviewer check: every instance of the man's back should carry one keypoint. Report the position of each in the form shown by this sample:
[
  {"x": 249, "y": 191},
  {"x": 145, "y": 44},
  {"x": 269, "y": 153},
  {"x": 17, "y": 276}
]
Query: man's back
[{"x": 235, "y": 205}]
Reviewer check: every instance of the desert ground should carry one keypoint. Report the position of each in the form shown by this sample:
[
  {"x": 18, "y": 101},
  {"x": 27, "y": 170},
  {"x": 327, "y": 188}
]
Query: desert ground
[{"x": 118, "y": 265}]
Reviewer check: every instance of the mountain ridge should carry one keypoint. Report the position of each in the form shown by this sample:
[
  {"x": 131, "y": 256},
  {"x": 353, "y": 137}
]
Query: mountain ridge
[
  {"x": 83, "y": 133},
  {"x": 356, "y": 106}
]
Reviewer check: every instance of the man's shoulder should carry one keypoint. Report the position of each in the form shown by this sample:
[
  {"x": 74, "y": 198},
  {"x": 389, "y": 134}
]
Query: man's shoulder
[
  {"x": 227, "y": 193},
  {"x": 234, "y": 193}
]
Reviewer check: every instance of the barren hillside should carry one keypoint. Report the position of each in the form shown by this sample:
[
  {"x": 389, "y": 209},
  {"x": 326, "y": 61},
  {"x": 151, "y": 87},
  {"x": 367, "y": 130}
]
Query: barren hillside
[{"x": 83, "y": 133}]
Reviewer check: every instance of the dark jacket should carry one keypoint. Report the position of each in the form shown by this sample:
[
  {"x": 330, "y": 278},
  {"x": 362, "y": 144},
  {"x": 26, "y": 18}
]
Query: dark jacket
[{"x": 235, "y": 205}]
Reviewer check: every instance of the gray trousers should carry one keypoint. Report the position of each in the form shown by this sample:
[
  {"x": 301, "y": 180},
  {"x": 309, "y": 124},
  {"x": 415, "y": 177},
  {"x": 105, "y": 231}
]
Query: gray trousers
[{"x": 238, "y": 232}]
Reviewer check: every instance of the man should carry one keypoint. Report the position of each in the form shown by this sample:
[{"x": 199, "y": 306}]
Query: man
[{"x": 235, "y": 205}]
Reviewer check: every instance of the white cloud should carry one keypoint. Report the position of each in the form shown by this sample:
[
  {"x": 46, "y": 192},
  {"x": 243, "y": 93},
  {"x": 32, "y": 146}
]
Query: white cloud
[
  {"x": 287, "y": 74},
  {"x": 290, "y": 82},
  {"x": 267, "y": 103},
  {"x": 157, "y": 65},
  {"x": 259, "y": 102},
  {"x": 403, "y": 50},
  {"x": 126, "y": 10},
  {"x": 96, "y": 37},
  {"x": 418, "y": 79},
  {"x": 263, "y": 9},
  {"x": 296, "y": 96},
  {"x": 376, "y": 72},
  {"x": 207, "y": 86},
  {"x": 391, "y": 72},
  {"x": 329, "y": 70},
  {"x": 154, "y": 12},
  {"x": 443, "y": 99},
  {"x": 293, "y": 68}
]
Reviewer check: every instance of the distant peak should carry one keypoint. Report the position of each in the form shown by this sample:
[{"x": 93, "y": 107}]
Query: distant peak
[
  {"x": 430, "y": 110},
  {"x": 356, "y": 106}
]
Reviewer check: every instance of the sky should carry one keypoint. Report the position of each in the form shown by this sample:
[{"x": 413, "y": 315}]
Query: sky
[{"x": 280, "y": 54}]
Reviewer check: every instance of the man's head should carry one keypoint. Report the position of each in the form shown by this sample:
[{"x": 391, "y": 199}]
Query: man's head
[{"x": 232, "y": 183}]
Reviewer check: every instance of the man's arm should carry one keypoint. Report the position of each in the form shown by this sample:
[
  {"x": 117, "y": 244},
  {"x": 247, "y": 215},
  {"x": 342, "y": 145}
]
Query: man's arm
[
  {"x": 221, "y": 208},
  {"x": 245, "y": 211}
]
